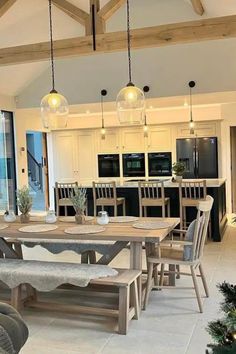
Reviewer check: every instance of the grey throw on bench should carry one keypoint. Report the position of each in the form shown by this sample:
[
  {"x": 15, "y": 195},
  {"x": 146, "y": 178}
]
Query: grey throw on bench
[{"x": 47, "y": 276}]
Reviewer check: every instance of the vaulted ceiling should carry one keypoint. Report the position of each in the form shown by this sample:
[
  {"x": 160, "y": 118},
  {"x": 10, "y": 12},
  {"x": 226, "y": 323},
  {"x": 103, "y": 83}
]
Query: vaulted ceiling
[{"x": 26, "y": 22}]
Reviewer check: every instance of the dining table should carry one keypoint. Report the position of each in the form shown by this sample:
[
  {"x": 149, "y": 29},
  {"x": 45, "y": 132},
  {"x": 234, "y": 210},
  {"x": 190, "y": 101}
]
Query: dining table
[{"x": 117, "y": 235}]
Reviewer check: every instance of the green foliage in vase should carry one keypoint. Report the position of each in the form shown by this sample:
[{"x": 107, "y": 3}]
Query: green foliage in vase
[
  {"x": 223, "y": 331},
  {"x": 79, "y": 199},
  {"x": 178, "y": 168},
  {"x": 24, "y": 200}
]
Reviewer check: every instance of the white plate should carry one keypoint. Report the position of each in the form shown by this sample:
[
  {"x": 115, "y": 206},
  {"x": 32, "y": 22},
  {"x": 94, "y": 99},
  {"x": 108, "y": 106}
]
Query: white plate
[
  {"x": 152, "y": 225},
  {"x": 38, "y": 228},
  {"x": 72, "y": 218},
  {"x": 122, "y": 219},
  {"x": 84, "y": 229}
]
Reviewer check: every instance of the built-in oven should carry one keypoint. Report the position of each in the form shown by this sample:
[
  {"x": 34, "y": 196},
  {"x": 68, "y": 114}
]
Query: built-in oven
[
  {"x": 133, "y": 165},
  {"x": 159, "y": 164},
  {"x": 109, "y": 165}
]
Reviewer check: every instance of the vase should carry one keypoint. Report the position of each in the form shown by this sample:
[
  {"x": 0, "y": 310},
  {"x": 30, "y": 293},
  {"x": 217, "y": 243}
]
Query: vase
[
  {"x": 24, "y": 218},
  {"x": 80, "y": 218}
]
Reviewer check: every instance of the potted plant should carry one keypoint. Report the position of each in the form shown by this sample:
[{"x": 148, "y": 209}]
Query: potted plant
[
  {"x": 79, "y": 200},
  {"x": 178, "y": 169},
  {"x": 24, "y": 202}
]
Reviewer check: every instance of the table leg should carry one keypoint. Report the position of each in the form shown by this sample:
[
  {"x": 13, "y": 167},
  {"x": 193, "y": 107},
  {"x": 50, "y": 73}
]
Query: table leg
[
  {"x": 136, "y": 263},
  {"x": 7, "y": 249},
  {"x": 172, "y": 269}
]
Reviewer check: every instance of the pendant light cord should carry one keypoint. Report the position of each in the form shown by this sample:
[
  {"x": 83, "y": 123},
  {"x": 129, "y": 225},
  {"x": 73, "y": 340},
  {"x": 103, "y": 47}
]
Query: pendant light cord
[
  {"x": 191, "y": 112},
  {"x": 102, "y": 111},
  {"x": 129, "y": 42},
  {"x": 51, "y": 45}
]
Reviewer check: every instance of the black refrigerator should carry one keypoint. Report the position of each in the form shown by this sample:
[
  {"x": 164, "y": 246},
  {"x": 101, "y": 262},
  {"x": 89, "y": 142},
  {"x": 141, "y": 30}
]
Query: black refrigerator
[{"x": 199, "y": 155}]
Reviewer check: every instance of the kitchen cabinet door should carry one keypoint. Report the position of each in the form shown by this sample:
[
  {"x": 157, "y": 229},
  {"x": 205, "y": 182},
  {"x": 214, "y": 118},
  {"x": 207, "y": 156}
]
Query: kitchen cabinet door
[
  {"x": 159, "y": 139},
  {"x": 87, "y": 164},
  {"x": 111, "y": 142},
  {"x": 64, "y": 151},
  {"x": 132, "y": 140}
]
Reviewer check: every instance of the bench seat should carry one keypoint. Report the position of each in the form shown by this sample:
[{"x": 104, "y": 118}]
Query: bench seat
[{"x": 18, "y": 272}]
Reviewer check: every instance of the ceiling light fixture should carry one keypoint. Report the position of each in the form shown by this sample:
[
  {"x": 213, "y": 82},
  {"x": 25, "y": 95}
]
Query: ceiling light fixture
[
  {"x": 130, "y": 100},
  {"x": 103, "y": 130},
  {"x": 191, "y": 84},
  {"x": 54, "y": 106},
  {"x": 146, "y": 89}
]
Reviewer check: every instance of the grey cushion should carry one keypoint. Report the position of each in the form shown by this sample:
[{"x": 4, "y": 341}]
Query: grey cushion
[
  {"x": 16, "y": 329},
  {"x": 187, "y": 255}
]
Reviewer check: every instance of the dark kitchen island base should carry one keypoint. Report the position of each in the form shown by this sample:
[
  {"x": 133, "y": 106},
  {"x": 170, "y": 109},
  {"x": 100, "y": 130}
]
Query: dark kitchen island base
[{"x": 130, "y": 193}]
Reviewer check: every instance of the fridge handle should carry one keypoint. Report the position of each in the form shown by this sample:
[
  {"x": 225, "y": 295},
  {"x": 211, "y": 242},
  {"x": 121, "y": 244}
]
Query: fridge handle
[{"x": 194, "y": 162}]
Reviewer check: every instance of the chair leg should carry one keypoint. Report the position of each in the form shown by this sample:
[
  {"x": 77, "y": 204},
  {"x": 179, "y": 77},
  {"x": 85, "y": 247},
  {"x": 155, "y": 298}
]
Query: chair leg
[
  {"x": 115, "y": 209},
  {"x": 140, "y": 210},
  {"x": 178, "y": 271},
  {"x": 124, "y": 208},
  {"x": 196, "y": 289},
  {"x": 94, "y": 209},
  {"x": 163, "y": 210},
  {"x": 168, "y": 208},
  {"x": 18, "y": 249},
  {"x": 123, "y": 309},
  {"x": 16, "y": 297},
  {"x": 204, "y": 280},
  {"x": 162, "y": 274},
  {"x": 134, "y": 299},
  {"x": 184, "y": 217},
  {"x": 66, "y": 211},
  {"x": 148, "y": 285},
  {"x": 145, "y": 211}
]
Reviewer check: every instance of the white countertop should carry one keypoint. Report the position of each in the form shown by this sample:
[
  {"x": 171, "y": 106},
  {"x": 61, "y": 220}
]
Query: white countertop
[{"x": 167, "y": 183}]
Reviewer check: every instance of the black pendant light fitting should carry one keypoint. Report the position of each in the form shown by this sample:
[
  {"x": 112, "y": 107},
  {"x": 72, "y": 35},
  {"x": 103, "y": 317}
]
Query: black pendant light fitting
[{"x": 191, "y": 85}]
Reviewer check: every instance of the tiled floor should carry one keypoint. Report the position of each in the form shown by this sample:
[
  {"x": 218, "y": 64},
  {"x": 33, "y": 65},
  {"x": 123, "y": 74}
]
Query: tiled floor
[{"x": 170, "y": 325}]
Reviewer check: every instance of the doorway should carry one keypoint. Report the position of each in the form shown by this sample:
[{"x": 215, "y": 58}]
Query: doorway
[{"x": 37, "y": 161}]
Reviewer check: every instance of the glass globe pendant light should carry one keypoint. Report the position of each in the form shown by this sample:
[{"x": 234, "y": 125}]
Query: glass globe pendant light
[
  {"x": 54, "y": 106},
  {"x": 130, "y": 101},
  {"x": 191, "y": 122}
]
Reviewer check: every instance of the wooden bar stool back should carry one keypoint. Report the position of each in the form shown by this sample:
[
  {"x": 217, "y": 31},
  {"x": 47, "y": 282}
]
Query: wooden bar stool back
[
  {"x": 63, "y": 195},
  {"x": 152, "y": 194},
  {"x": 190, "y": 193},
  {"x": 104, "y": 194}
]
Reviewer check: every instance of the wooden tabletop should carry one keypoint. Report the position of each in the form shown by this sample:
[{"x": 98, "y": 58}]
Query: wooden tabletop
[{"x": 113, "y": 232}]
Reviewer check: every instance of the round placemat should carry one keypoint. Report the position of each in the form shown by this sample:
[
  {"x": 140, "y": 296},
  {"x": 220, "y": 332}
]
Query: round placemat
[
  {"x": 151, "y": 225},
  {"x": 84, "y": 229},
  {"x": 3, "y": 226},
  {"x": 120, "y": 219},
  {"x": 72, "y": 218},
  {"x": 38, "y": 228}
]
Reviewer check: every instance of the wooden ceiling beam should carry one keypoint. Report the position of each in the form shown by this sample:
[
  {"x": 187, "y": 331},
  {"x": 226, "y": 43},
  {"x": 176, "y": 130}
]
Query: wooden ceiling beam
[
  {"x": 110, "y": 8},
  {"x": 5, "y": 6},
  {"x": 73, "y": 11},
  {"x": 148, "y": 37},
  {"x": 198, "y": 7}
]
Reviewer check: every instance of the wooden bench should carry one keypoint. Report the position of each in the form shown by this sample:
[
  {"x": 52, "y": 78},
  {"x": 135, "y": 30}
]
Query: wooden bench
[{"x": 125, "y": 284}]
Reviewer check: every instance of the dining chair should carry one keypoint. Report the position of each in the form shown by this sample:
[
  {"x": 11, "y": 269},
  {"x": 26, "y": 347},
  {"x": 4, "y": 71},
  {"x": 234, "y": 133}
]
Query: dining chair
[
  {"x": 190, "y": 193},
  {"x": 187, "y": 252},
  {"x": 104, "y": 194},
  {"x": 63, "y": 195},
  {"x": 152, "y": 194}
]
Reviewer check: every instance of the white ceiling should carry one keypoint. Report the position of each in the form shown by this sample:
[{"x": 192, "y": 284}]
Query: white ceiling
[{"x": 27, "y": 22}]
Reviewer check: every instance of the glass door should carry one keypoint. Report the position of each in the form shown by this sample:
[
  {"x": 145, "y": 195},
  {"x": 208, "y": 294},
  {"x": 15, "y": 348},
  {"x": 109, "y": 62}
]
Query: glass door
[{"x": 7, "y": 163}]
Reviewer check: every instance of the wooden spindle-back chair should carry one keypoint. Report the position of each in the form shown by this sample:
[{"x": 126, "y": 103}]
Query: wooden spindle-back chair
[{"x": 152, "y": 194}]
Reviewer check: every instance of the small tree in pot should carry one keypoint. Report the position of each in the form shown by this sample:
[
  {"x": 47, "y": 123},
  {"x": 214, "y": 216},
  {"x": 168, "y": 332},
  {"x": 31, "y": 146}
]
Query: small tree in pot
[
  {"x": 24, "y": 202},
  {"x": 79, "y": 200},
  {"x": 178, "y": 169}
]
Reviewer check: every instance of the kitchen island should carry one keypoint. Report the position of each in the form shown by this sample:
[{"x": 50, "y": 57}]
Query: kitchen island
[{"x": 129, "y": 190}]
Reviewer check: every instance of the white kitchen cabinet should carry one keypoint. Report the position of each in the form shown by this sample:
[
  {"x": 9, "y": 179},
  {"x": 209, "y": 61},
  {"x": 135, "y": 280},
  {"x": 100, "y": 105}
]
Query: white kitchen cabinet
[
  {"x": 159, "y": 139},
  {"x": 110, "y": 144},
  {"x": 201, "y": 129},
  {"x": 86, "y": 156},
  {"x": 132, "y": 140},
  {"x": 65, "y": 158}
]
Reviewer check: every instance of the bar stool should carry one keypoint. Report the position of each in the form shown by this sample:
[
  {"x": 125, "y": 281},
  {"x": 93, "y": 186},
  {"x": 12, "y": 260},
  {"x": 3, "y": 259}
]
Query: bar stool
[
  {"x": 63, "y": 195},
  {"x": 190, "y": 193},
  {"x": 104, "y": 194},
  {"x": 152, "y": 194}
]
